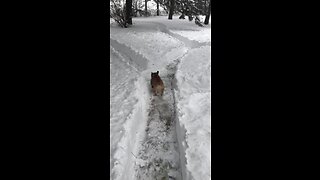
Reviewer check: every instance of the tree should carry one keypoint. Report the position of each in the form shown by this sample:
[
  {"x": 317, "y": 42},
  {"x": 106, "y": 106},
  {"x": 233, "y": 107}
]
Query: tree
[
  {"x": 158, "y": 11},
  {"x": 197, "y": 21},
  {"x": 117, "y": 13},
  {"x": 135, "y": 9},
  {"x": 129, "y": 11},
  {"x": 206, "y": 21},
  {"x": 171, "y": 9},
  {"x": 138, "y": 8},
  {"x": 146, "y": 7},
  {"x": 164, "y": 4}
]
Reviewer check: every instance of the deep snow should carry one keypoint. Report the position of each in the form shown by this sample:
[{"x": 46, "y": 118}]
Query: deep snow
[{"x": 160, "y": 137}]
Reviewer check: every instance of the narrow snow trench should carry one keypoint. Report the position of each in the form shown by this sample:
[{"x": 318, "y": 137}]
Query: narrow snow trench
[{"x": 158, "y": 157}]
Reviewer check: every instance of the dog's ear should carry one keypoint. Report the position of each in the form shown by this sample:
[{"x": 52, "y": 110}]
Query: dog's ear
[{"x": 158, "y": 72}]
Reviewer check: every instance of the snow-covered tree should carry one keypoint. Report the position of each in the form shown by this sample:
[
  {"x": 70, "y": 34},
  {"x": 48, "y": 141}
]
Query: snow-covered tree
[
  {"x": 195, "y": 7},
  {"x": 121, "y": 12},
  {"x": 117, "y": 12},
  {"x": 137, "y": 8},
  {"x": 186, "y": 7}
]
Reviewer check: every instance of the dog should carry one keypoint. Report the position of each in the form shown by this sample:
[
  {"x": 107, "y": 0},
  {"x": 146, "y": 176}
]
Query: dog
[{"x": 156, "y": 84}]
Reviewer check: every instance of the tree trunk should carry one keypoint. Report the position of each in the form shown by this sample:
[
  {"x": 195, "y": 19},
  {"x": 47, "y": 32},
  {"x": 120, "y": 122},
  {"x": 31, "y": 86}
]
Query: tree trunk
[
  {"x": 206, "y": 21},
  {"x": 171, "y": 9},
  {"x": 205, "y": 6},
  {"x": 129, "y": 11},
  {"x": 158, "y": 13},
  {"x": 135, "y": 9},
  {"x": 145, "y": 8},
  {"x": 200, "y": 7}
]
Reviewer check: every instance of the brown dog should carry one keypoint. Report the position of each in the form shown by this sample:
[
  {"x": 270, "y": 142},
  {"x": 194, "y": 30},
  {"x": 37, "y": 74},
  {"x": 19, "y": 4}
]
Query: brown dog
[{"x": 156, "y": 84}]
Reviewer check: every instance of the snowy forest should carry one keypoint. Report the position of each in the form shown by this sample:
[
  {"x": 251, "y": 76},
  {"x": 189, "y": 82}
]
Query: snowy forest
[
  {"x": 160, "y": 89},
  {"x": 123, "y": 14}
]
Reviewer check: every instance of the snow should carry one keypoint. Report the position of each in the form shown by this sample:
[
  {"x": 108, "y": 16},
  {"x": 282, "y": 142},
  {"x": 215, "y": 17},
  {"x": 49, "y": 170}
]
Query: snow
[
  {"x": 160, "y": 137},
  {"x": 194, "y": 94}
]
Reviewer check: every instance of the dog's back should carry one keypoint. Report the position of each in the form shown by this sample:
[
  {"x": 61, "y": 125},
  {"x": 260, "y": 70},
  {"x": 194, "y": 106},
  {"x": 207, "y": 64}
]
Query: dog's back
[{"x": 156, "y": 84}]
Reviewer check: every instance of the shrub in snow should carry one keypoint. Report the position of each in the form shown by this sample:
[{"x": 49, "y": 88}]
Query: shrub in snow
[
  {"x": 118, "y": 13},
  {"x": 182, "y": 16},
  {"x": 197, "y": 21}
]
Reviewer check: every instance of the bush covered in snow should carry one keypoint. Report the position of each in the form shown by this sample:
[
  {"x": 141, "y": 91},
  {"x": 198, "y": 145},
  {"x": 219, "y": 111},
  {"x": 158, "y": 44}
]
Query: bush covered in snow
[{"x": 117, "y": 12}]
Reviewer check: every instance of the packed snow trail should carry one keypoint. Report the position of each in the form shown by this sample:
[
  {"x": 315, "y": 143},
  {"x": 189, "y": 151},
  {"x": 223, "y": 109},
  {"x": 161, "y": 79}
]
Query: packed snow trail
[{"x": 159, "y": 153}]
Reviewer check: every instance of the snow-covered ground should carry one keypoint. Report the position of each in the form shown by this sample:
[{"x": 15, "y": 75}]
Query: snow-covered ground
[{"x": 165, "y": 137}]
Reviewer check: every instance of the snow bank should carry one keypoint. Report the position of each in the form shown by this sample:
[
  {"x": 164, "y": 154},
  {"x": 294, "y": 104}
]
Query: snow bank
[
  {"x": 203, "y": 36},
  {"x": 194, "y": 111},
  {"x": 134, "y": 133},
  {"x": 127, "y": 111},
  {"x": 192, "y": 31}
]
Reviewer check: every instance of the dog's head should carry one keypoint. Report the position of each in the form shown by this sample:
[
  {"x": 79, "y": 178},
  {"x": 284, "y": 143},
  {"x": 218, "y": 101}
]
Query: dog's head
[{"x": 156, "y": 74}]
